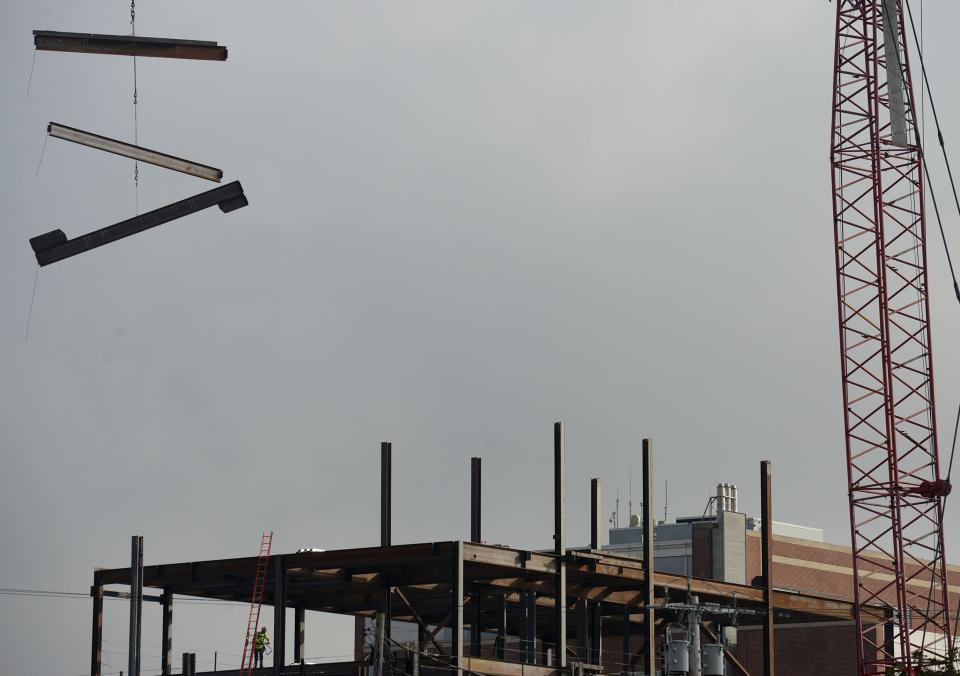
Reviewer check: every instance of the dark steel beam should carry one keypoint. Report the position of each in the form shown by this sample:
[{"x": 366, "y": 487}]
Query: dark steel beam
[
  {"x": 128, "y": 45},
  {"x": 560, "y": 544},
  {"x": 501, "y": 651},
  {"x": 279, "y": 613},
  {"x": 581, "y": 627},
  {"x": 96, "y": 648},
  {"x": 476, "y": 627},
  {"x": 456, "y": 598},
  {"x": 166, "y": 641},
  {"x": 134, "y": 152},
  {"x": 596, "y": 514},
  {"x": 475, "y": 533},
  {"x": 596, "y": 631},
  {"x": 54, "y": 246},
  {"x": 299, "y": 629},
  {"x": 386, "y": 469},
  {"x": 136, "y": 568},
  {"x": 766, "y": 563},
  {"x": 649, "y": 621}
]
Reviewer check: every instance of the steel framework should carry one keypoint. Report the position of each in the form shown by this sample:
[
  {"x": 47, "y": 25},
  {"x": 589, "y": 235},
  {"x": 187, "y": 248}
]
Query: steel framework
[{"x": 896, "y": 491}]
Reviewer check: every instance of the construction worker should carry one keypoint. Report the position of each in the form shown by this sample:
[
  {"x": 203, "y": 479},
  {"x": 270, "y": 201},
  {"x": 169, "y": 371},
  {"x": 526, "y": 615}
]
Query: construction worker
[{"x": 260, "y": 643}]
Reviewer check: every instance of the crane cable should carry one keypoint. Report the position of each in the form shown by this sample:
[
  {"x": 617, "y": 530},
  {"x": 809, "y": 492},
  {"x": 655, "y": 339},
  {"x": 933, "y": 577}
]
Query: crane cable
[
  {"x": 943, "y": 151},
  {"x": 933, "y": 197}
]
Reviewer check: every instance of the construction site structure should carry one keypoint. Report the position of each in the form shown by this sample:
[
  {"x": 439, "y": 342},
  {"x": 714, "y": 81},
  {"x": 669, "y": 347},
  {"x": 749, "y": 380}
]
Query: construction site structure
[{"x": 895, "y": 486}]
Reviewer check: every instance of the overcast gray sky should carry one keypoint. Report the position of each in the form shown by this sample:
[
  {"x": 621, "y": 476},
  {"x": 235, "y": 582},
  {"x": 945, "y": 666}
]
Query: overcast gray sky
[{"x": 466, "y": 221}]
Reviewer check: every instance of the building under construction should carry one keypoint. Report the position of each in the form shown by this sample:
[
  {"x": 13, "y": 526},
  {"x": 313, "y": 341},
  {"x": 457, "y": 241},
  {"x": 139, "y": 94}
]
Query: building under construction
[{"x": 740, "y": 608}]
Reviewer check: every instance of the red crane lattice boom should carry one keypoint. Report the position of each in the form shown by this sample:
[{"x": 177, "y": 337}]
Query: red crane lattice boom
[{"x": 895, "y": 487}]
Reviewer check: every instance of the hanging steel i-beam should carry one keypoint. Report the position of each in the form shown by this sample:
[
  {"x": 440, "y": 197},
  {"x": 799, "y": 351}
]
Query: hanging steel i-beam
[
  {"x": 54, "y": 246},
  {"x": 895, "y": 486},
  {"x": 134, "y": 152},
  {"x": 128, "y": 45}
]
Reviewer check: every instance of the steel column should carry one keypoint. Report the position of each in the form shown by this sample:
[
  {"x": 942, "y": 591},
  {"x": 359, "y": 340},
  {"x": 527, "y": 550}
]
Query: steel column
[
  {"x": 386, "y": 525},
  {"x": 475, "y": 533},
  {"x": 596, "y": 514},
  {"x": 166, "y": 640},
  {"x": 626, "y": 648},
  {"x": 386, "y": 471},
  {"x": 136, "y": 551},
  {"x": 581, "y": 625},
  {"x": 560, "y": 544},
  {"x": 475, "y": 621},
  {"x": 279, "y": 613},
  {"x": 501, "y": 652},
  {"x": 766, "y": 564},
  {"x": 649, "y": 561},
  {"x": 456, "y": 624},
  {"x": 596, "y": 631},
  {"x": 96, "y": 648},
  {"x": 300, "y": 627}
]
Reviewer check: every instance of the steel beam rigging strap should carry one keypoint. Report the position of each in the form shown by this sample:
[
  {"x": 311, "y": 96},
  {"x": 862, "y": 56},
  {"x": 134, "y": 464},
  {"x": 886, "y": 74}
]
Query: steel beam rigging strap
[
  {"x": 134, "y": 152},
  {"x": 128, "y": 45},
  {"x": 54, "y": 245}
]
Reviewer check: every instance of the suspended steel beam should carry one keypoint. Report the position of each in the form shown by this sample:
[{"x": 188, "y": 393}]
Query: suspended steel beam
[
  {"x": 110, "y": 145},
  {"x": 54, "y": 245},
  {"x": 127, "y": 45}
]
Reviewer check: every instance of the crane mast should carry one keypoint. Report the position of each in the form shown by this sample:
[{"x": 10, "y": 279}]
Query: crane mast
[{"x": 895, "y": 488}]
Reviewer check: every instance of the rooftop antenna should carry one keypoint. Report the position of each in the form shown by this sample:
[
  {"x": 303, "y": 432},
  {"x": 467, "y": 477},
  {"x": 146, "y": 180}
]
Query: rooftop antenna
[
  {"x": 666, "y": 498},
  {"x": 617, "y": 512},
  {"x": 630, "y": 502}
]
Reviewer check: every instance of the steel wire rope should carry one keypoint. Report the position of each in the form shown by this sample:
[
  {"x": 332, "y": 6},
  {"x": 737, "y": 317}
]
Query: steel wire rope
[{"x": 136, "y": 123}]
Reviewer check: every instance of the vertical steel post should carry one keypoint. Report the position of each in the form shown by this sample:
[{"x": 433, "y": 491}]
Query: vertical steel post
[
  {"x": 596, "y": 514},
  {"x": 386, "y": 523},
  {"x": 501, "y": 652},
  {"x": 96, "y": 648},
  {"x": 300, "y": 626},
  {"x": 166, "y": 641},
  {"x": 386, "y": 470},
  {"x": 766, "y": 562},
  {"x": 456, "y": 625},
  {"x": 580, "y": 619},
  {"x": 359, "y": 629},
  {"x": 134, "y": 586},
  {"x": 596, "y": 622},
  {"x": 560, "y": 545},
  {"x": 139, "y": 601},
  {"x": 475, "y": 620},
  {"x": 532, "y": 627},
  {"x": 649, "y": 560},
  {"x": 475, "y": 536},
  {"x": 279, "y": 613},
  {"x": 626, "y": 639},
  {"x": 475, "y": 533}
]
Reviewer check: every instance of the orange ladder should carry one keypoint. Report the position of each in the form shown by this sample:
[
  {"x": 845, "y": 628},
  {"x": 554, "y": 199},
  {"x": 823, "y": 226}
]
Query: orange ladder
[{"x": 256, "y": 601}]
